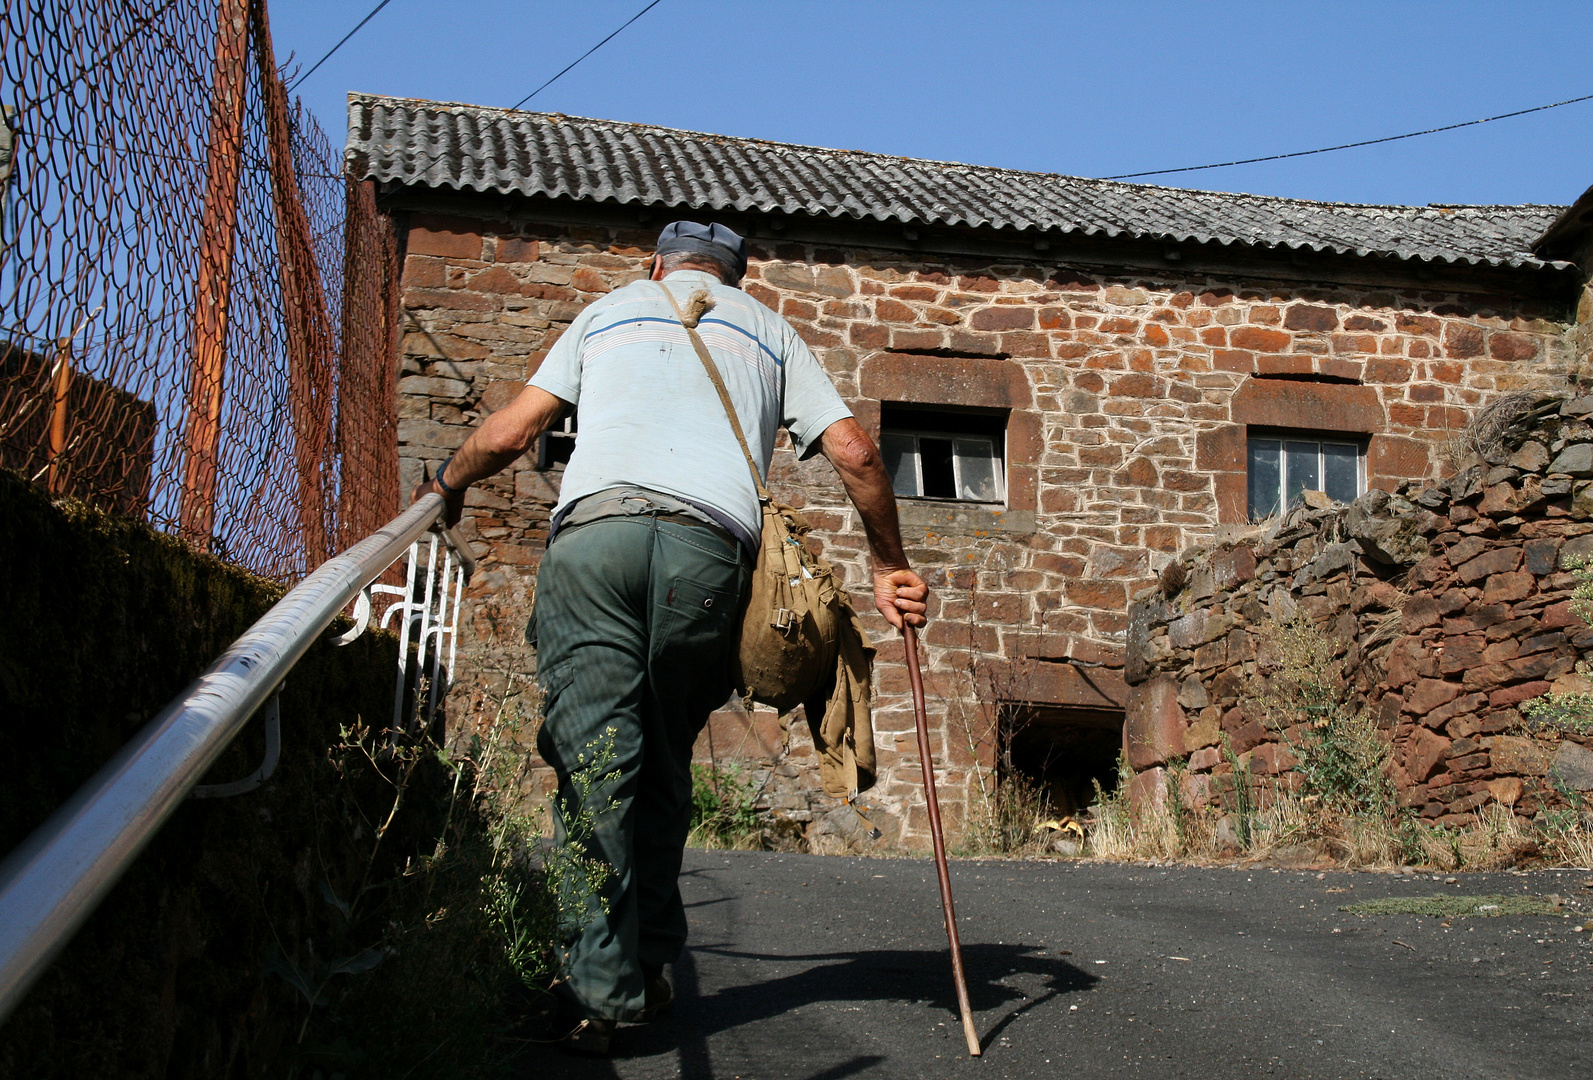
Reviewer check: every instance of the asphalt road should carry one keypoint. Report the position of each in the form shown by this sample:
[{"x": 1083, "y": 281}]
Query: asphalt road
[{"x": 819, "y": 968}]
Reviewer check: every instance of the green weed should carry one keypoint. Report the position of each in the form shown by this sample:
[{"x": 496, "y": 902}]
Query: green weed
[
  {"x": 1244, "y": 791},
  {"x": 541, "y": 897},
  {"x": 1010, "y": 820},
  {"x": 1457, "y": 907},
  {"x": 440, "y": 960},
  {"x": 1338, "y": 754},
  {"x": 724, "y": 808}
]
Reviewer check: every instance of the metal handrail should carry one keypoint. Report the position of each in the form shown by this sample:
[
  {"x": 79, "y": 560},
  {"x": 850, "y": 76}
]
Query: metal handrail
[{"x": 58, "y": 875}]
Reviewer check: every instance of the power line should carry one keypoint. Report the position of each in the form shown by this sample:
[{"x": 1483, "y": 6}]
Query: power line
[
  {"x": 587, "y": 53},
  {"x": 1348, "y": 146},
  {"x": 339, "y": 45}
]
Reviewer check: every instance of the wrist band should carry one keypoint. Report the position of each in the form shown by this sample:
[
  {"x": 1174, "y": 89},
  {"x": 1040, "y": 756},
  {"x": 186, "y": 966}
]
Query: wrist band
[{"x": 438, "y": 477}]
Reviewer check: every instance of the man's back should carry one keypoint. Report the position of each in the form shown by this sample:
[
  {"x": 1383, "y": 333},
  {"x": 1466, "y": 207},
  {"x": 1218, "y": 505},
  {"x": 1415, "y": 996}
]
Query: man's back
[
  {"x": 638, "y": 598},
  {"x": 648, "y": 414}
]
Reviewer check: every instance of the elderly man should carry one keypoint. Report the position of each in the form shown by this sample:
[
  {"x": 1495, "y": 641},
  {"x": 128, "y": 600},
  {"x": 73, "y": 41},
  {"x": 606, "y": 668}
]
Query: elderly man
[{"x": 649, "y": 556}]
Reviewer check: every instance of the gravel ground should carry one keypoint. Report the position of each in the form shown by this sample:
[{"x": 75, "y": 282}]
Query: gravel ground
[{"x": 818, "y": 968}]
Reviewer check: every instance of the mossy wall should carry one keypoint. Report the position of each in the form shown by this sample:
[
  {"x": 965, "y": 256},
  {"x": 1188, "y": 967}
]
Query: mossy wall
[{"x": 104, "y": 621}]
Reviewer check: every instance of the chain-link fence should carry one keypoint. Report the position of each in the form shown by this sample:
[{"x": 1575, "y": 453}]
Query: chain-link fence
[{"x": 196, "y": 308}]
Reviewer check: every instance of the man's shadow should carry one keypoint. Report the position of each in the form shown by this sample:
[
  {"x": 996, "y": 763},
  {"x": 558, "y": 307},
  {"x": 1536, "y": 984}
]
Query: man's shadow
[
  {"x": 921, "y": 975},
  {"x": 882, "y": 975}
]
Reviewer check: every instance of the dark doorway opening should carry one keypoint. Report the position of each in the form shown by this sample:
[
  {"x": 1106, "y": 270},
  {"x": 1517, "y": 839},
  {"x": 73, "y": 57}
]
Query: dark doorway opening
[{"x": 1066, "y": 751}]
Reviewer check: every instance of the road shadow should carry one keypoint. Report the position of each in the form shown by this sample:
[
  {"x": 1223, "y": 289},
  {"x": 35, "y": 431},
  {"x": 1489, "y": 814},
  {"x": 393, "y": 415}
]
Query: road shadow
[{"x": 880, "y": 975}]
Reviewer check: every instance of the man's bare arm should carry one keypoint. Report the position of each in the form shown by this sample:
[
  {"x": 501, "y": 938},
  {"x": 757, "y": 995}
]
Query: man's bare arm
[
  {"x": 495, "y": 445},
  {"x": 899, "y": 593}
]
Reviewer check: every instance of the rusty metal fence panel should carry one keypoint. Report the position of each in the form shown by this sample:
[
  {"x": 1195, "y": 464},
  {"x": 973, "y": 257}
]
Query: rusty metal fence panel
[{"x": 197, "y": 309}]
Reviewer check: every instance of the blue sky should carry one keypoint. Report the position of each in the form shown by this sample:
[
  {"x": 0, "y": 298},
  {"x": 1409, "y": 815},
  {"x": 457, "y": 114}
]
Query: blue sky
[{"x": 1088, "y": 89}]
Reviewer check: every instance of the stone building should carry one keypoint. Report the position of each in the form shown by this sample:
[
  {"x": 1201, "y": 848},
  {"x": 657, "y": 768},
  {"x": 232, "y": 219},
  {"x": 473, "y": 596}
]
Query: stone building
[
  {"x": 1449, "y": 607},
  {"x": 1072, "y": 380}
]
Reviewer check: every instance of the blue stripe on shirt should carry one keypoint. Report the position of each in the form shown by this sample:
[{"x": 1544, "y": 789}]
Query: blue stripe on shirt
[
  {"x": 718, "y": 322},
  {"x": 629, "y": 321},
  {"x": 721, "y": 322}
]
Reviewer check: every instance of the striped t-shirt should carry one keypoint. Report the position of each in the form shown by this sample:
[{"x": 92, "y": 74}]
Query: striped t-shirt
[{"x": 647, "y": 414}]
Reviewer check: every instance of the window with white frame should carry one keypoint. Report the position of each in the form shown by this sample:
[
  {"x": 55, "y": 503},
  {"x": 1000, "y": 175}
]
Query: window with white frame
[
  {"x": 936, "y": 454},
  {"x": 1281, "y": 466}
]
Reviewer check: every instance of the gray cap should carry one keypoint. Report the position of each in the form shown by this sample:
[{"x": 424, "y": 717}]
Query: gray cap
[{"x": 715, "y": 240}]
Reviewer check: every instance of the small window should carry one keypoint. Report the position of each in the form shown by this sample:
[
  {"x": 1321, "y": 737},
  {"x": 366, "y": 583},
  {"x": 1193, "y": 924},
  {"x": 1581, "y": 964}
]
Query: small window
[
  {"x": 944, "y": 455},
  {"x": 557, "y": 443},
  {"x": 1281, "y": 467}
]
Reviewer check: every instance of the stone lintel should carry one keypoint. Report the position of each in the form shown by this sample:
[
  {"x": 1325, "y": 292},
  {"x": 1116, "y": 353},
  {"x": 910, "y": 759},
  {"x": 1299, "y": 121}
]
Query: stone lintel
[
  {"x": 981, "y": 382},
  {"x": 1308, "y": 406}
]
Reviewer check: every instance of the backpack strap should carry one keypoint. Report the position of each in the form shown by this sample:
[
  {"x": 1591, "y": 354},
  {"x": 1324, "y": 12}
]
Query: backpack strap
[{"x": 719, "y": 384}]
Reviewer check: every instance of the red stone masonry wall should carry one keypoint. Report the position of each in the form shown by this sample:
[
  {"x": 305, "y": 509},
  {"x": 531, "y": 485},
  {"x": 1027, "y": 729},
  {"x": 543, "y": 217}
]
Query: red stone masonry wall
[
  {"x": 1449, "y": 609},
  {"x": 1129, "y": 395}
]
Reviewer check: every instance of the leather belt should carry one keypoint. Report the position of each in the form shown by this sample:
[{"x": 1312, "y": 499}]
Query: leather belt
[{"x": 686, "y": 519}]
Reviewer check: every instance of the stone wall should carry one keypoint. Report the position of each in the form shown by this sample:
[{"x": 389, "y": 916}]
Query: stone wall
[
  {"x": 1128, "y": 397},
  {"x": 1448, "y": 605}
]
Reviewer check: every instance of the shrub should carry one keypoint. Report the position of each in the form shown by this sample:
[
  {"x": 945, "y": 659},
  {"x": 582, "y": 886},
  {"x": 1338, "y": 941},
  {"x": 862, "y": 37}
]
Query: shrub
[
  {"x": 540, "y": 897},
  {"x": 723, "y": 808},
  {"x": 1339, "y": 754},
  {"x": 440, "y": 962},
  {"x": 1012, "y": 819}
]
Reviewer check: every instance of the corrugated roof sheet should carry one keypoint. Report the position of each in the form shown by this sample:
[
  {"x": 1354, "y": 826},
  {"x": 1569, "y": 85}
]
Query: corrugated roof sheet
[{"x": 468, "y": 147}]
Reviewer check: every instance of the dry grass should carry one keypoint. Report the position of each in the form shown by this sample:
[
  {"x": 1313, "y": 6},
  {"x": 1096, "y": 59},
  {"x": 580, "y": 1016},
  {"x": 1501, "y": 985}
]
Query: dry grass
[
  {"x": 1491, "y": 427},
  {"x": 1299, "y": 829},
  {"x": 1573, "y": 849},
  {"x": 1014, "y": 819},
  {"x": 1228, "y": 536},
  {"x": 1169, "y": 830},
  {"x": 1156, "y": 832},
  {"x": 1386, "y": 629}
]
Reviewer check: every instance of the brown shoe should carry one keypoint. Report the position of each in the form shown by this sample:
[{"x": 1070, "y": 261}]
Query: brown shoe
[
  {"x": 588, "y": 1036},
  {"x": 660, "y": 996}
]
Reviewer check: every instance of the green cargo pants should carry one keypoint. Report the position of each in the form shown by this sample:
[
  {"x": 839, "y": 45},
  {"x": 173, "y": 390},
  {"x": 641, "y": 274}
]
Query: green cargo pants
[{"x": 635, "y": 620}]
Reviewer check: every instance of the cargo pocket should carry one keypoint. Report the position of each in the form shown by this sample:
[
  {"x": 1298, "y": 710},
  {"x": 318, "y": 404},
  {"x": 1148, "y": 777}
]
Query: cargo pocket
[{"x": 554, "y": 681}]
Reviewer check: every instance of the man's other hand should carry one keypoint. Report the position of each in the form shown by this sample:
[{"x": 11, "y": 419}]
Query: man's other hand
[
  {"x": 901, "y": 596},
  {"x": 454, "y": 505}
]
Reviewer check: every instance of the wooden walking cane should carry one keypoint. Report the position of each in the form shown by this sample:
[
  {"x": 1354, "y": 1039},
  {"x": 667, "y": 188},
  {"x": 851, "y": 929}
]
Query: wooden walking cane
[{"x": 916, "y": 677}]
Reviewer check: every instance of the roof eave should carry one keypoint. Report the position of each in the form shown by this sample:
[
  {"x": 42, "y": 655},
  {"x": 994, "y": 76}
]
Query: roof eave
[{"x": 1568, "y": 232}]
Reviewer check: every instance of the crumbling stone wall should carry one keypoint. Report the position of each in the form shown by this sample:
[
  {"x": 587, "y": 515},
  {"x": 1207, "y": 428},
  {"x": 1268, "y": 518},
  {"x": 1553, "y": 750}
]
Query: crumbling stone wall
[
  {"x": 1449, "y": 604},
  {"x": 1128, "y": 395}
]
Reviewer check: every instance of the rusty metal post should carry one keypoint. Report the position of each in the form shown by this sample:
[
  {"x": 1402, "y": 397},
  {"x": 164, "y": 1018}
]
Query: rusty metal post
[
  {"x": 61, "y": 379},
  {"x": 218, "y": 229},
  {"x": 916, "y": 679},
  {"x": 307, "y": 325}
]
